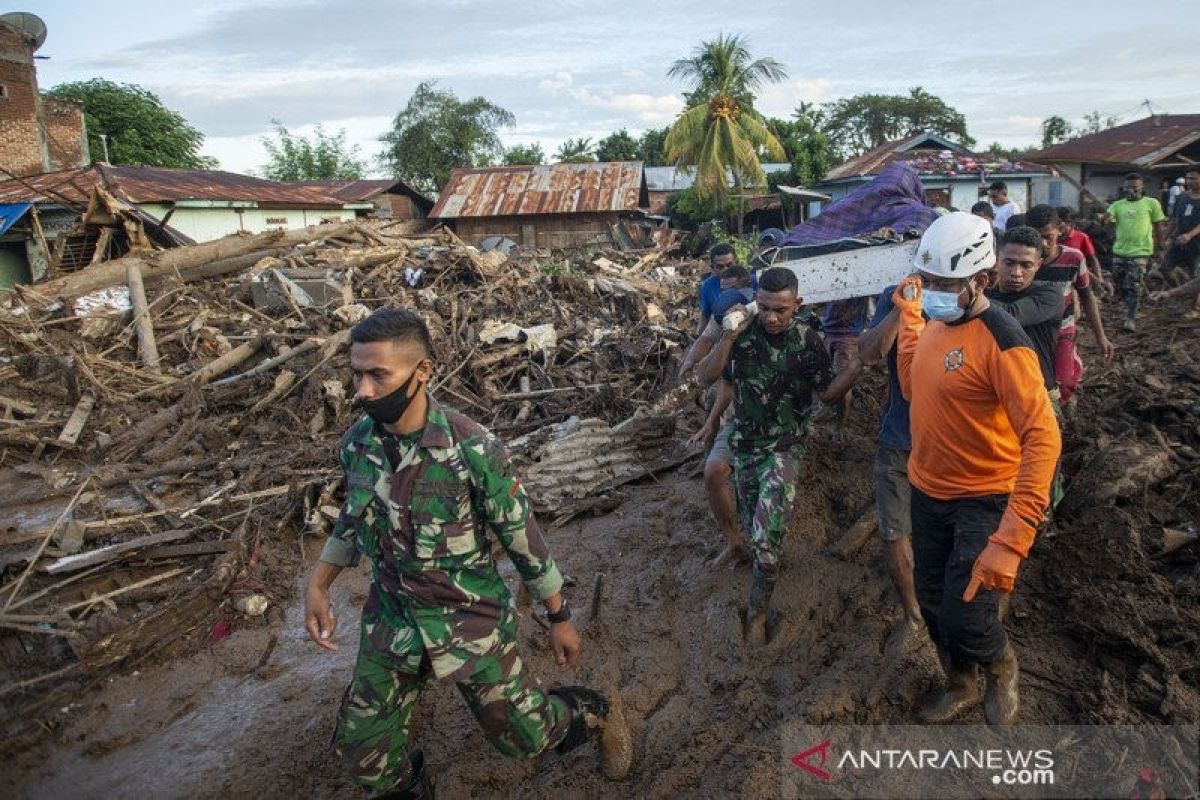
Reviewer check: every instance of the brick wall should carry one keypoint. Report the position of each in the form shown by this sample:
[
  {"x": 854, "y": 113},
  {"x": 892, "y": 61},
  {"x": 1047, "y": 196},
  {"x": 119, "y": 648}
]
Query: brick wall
[
  {"x": 64, "y": 129},
  {"x": 27, "y": 148},
  {"x": 20, "y": 143}
]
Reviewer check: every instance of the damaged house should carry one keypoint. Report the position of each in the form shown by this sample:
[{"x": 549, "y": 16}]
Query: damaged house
[
  {"x": 1159, "y": 146},
  {"x": 391, "y": 199},
  {"x": 953, "y": 176},
  {"x": 47, "y": 229},
  {"x": 556, "y": 205}
]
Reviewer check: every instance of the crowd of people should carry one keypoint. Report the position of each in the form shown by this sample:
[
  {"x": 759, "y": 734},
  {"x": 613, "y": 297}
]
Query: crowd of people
[
  {"x": 983, "y": 368},
  {"x": 979, "y": 343}
]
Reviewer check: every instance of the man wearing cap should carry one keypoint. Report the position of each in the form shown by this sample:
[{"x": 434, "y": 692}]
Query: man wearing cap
[{"x": 984, "y": 448}]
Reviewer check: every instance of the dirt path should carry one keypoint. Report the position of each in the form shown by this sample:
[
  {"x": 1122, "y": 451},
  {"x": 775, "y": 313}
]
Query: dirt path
[
  {"x": 1103, "y": 623},
  {"x": 706, "y": 716}
]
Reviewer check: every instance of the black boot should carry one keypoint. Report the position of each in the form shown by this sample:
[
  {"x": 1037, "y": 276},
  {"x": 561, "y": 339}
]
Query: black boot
[
  {"x": 418, "y": 787},
  {"x": 589, "y": 709},
  {"x": 1001, "y": 700},
  {"x": 593, "y": 716},
  {"x": 762, "y": 586},
  {"x": 960, "y": 693}
]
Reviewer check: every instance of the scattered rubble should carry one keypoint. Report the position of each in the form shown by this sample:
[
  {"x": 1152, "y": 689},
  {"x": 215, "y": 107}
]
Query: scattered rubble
[{"x": 170, "y": 413}]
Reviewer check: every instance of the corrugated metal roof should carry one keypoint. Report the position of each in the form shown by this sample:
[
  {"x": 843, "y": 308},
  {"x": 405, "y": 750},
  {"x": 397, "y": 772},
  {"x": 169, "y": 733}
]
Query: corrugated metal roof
[
  {"x": 944, "y": 158},
  {"x": 363, "y": 191},
  {"x": 1142, "y": 143},
  {"x": 553, "y": 189},
  {"x": 162, "y": 185},
  {"x": 676, "y": 179}
]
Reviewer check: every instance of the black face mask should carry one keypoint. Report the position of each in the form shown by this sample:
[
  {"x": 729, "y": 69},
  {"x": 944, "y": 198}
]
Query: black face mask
[{"x": 389, "y": 408}]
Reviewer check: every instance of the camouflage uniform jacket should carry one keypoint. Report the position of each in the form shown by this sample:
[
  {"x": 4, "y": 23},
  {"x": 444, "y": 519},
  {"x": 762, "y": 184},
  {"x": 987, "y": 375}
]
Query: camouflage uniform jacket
[
  {"x": 422, "y": 527},
  {"x": 774, "y": 378}
]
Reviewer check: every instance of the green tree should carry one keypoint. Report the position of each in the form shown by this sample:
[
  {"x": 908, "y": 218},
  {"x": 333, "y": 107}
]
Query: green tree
[
  {"x": 652, "y": 147},
  {"x": 576, "y": 151},
  {"x": 324, "y": 156},
  {"x": 1054, "y": 130},
  {"x": 689, "y": 210},
  {"x": 866, "y": 121},
  {"x": 524, "y": 154},
  {"x": 140, "y": 130},
  {"x": 617, "y": 146},
  {"x": 1096, "y": 122},
  {"x": 720, "y": 133},
  {"x": 437, "y": 132}
]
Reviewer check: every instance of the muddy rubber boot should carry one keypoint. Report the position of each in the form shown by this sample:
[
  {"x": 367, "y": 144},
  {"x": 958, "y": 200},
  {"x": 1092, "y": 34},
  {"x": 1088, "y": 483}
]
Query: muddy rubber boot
[
  {"x": 960, "y": 693},
  {"x": 418, "y": 788},
  {"x": 761, "y": 588},
  {"x": 1000, "y": 698},
  {"x": 591, "y": 715}
]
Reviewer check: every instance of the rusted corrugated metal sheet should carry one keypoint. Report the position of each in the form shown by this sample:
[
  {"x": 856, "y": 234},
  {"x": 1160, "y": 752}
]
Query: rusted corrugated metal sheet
[
  {"x": 162, "y": 185},
  {"x": 1142, "y": 143},
  {"x": 553, "y": 189}
]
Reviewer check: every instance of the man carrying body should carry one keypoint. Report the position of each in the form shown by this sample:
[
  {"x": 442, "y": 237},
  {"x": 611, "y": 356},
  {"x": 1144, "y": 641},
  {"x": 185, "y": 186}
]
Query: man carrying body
[
  {"x": 423, "y": 483},
  {"x": 1002, "y": 207},
  {"x": 985, "y": 445},
  {"x": 893, "y": 492},
  {"x": 1138, "y": 220},
  {"x": 1065, "y": 268},
  {"x": 775, "y": 365},
  {"x": 1183, "y": 231},
  {"x": 719, "y": 257},
  {"x": 1070, "y": 236}
]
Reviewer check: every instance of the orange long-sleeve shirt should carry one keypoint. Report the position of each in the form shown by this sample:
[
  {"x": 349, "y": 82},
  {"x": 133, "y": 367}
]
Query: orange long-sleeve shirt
[{"x": 981, "y": 419}]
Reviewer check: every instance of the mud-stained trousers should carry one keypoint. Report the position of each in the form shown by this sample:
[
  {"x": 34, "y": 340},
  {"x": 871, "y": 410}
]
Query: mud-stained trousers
[
  {"x": 766, "y": 494},
  {"x": 947, "y": 537},
  {"x": 1128, "y": 271},
  {"x": 374, "y": 722}
]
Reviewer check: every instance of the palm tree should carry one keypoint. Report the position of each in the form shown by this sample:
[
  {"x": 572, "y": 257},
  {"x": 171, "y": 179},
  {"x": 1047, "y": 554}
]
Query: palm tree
[
  {"x": 720, "y": 133},
  {"x": 576, "y": 151}
]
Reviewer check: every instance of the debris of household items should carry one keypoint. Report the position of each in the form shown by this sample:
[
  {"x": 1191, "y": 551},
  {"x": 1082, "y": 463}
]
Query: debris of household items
[{"x": 169, "y": 414}]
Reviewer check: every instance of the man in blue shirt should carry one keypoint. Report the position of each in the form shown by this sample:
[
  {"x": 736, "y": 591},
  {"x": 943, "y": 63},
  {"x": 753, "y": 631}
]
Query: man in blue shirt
[
  {"x": 719, "y": 257},
  {"x": 892, "y": 490}
]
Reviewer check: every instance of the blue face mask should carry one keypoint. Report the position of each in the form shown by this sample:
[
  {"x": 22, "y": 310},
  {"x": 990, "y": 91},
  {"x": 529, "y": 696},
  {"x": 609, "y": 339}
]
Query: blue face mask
[{"x": 942, "y": 306}]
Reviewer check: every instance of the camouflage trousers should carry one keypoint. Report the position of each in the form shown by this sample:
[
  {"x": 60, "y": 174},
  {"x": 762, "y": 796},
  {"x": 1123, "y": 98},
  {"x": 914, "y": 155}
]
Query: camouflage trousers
[
  {"x": 1128, "y": 271},
  {"x": 374, "y": 722},
  {"x": 766, "y": 495}
]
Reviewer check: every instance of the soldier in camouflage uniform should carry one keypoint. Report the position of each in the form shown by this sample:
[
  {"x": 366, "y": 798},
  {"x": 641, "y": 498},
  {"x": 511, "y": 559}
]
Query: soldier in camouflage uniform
[
  {"x": 423, "y": 484},
  {"x": 776, "y": 365}
]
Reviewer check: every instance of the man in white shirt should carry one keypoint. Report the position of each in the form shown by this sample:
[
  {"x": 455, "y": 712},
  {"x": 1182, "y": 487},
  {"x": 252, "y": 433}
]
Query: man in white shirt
[{"x": 1002, "y": 207}]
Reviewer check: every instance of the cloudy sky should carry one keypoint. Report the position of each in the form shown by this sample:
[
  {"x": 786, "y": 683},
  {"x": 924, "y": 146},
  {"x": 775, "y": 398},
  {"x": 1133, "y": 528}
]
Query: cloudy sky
[{"x": 570, "y": 68}]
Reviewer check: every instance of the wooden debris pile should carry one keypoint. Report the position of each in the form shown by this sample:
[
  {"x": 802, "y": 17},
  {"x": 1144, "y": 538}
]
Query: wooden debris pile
[{"x": 167, "y": 415}]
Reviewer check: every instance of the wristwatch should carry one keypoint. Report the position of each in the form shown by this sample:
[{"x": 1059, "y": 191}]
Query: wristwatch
[{"x": 562, "y": 615}]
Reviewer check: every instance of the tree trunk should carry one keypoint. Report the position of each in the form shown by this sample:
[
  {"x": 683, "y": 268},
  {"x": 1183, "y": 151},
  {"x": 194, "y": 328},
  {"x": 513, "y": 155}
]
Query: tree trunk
[
  {"x": 737, "y": 184},
  {"x": 167, "y": 262}
]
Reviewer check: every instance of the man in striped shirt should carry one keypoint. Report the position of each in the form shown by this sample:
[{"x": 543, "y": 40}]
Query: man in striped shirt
[{"x": 1067, "y": 268}]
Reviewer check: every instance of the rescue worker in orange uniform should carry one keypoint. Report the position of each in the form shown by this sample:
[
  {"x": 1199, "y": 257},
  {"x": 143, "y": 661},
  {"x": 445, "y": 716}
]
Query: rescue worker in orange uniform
[{"x": 984, "y": 448}]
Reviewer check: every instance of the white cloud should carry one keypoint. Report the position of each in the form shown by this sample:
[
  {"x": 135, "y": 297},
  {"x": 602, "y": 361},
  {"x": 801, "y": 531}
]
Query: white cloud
[
  {"x": 781, "y": 99},
  {"x": 648, "y": 109}
]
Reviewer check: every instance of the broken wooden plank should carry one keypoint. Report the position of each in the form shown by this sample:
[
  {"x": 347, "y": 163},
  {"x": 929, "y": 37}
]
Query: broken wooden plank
[
  {"x": 143, "y": 323},
  {"x": 547, "y": 392},
  {"x": 17, "y": 406},
  {"x": 91, "y": 601},
  {"x": 79, "y": 417},
  {"x": 191, "y": 549},
  {"x": 112, "y": 552}
]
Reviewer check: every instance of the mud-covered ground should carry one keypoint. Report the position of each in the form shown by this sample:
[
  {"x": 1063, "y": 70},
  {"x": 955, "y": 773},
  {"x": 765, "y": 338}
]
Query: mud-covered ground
[{"x": 1104, "y": 623}]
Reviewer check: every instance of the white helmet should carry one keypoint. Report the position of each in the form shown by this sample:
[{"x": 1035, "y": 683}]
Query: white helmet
[{"x": 956, "y": 245}]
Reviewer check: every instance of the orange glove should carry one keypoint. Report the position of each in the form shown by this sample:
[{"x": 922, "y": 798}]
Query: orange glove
[
  {"x": 907, "y": 296},
  {"x": 996, "y": 568}
]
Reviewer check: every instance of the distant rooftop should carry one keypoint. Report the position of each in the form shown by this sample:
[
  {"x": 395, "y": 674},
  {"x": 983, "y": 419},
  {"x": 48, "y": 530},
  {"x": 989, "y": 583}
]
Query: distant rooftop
[
  {"x": 543, "y": 189},
  {"x": 930, "y": 155},
  {"x": 1149, "y": 142}
]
